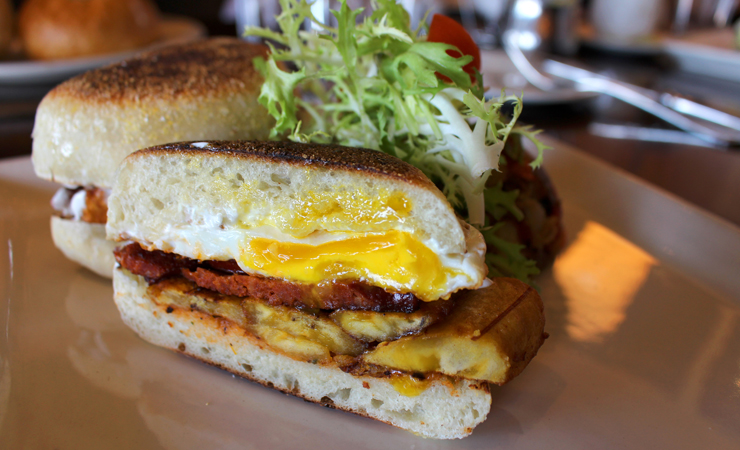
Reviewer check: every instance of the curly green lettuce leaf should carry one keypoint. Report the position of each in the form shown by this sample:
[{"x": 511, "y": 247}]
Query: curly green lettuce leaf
[
  {"x": 508, "y": 260},
  {"x": 527, "y": 132},
  {"x": 277, "y": 92},
  {"x": 500, "y": 202}
]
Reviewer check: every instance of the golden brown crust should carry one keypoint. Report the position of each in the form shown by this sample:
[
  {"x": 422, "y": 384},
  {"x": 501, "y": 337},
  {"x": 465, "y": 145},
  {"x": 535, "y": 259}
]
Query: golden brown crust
[
  {"x": 523, "y": 306},
  {"x": 296, "y": 392},
  {"x": 334, "y": 157},
  {"x": 56, "y": 29},
  {"x": 208, "y": 67}
]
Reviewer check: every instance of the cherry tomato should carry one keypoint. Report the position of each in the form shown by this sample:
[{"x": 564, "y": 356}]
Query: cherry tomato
[{"x": 448, "y": 31}]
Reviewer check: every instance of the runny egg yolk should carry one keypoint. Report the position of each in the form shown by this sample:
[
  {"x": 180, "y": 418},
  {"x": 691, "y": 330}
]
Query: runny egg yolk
[
  {"x": 394, "y": 260},
  {"x": 407, "y": 385}
]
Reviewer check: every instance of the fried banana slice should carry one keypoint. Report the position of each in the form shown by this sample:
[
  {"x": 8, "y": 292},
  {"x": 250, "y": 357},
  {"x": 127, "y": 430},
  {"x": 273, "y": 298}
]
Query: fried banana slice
[
  {"x": 371, "y": 326},
  {"x": 298, "y": 334}
]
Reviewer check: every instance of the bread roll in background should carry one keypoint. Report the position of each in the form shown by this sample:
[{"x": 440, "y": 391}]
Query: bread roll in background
[
  {"x": 84, "y": 127},
  {"x": 59, "y": 29},
  {"x": 6, "y": 26},
  {"x": 199, "y": 90}
]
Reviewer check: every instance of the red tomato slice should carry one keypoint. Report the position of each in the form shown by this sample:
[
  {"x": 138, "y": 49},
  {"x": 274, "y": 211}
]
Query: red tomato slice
[{"x": 448, "y": 31}]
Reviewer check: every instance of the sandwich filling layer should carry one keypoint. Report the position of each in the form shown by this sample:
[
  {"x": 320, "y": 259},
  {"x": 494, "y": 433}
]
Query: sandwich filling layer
[
  {"x": 329, "y": 255},
  {"x": 86, "y": 204}
]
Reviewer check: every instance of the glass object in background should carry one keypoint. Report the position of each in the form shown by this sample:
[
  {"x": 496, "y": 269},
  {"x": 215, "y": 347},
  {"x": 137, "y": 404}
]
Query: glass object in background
[
  {"x": 262, "y": 12},
  {"x": 417, "y": 9},
  {"x": 625, "y": 20},
  {"x": 484, "y": 20},
  {"x": 564, "y": 18},
  {"x": 526, "y": 17},
  {"x": 718, "y": 13},
  {"x": 549, "y": 25},
  {"x": 257, "y": 13}
]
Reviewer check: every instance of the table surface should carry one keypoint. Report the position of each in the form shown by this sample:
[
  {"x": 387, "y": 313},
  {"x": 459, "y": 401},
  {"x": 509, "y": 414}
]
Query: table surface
[{"x": 706, "y": 177}]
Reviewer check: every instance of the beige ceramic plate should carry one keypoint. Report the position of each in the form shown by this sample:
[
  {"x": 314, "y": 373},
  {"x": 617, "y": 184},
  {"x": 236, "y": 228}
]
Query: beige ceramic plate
[
  {"x": 712, "y": 52},
  {"x": 644, "y": 353}
]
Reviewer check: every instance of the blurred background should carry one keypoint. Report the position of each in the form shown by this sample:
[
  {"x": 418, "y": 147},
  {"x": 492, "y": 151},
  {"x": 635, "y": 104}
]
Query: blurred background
[{"x": 679, "y": 54}]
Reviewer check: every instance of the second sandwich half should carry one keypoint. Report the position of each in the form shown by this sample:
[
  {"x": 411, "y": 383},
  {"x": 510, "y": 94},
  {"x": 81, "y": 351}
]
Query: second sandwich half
[{"x": 84, "y": 127}]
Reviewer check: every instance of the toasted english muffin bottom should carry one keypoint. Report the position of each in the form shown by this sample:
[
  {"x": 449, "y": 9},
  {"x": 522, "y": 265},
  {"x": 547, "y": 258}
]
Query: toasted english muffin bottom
[
  {"x": 441, "y": 411},
  {"x": 85, "y": 244}
]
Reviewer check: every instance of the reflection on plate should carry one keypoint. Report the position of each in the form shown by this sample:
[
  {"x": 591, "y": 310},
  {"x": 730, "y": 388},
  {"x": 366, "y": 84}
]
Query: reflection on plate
[
  {"x": 647, "y": 46},
  {"x": 642, "y": 306},
  {"x": 24, "y": 73},
  {"x": 707, "y": 52},
  {"x": 499, "y": 72}
]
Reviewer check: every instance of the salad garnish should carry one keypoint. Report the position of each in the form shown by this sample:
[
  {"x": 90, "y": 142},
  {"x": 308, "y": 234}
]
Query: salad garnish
[{"x": 377, "y": 83}]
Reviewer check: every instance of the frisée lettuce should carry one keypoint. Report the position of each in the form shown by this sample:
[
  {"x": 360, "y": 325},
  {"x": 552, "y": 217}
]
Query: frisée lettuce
[{"x": 376, "y": 83}]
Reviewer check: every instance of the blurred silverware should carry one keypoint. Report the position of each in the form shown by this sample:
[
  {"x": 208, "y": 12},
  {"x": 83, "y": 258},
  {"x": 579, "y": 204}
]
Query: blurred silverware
[
  {"x": 694, "y": 109},
  {"x": 561, "y": 75},
  {"x": 676, "y": 103},
  {"x": 510, "y": 41},
  {"x": 638, "y": 133}
]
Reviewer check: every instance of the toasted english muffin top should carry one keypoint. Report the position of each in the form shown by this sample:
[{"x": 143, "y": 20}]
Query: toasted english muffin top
[{"x": 336, "y": 157}]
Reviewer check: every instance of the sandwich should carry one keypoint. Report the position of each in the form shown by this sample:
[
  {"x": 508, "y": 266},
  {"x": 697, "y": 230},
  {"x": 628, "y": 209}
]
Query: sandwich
[
  {"x": 85, "y": 126},
  {"x": 340, "y": 275}
]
